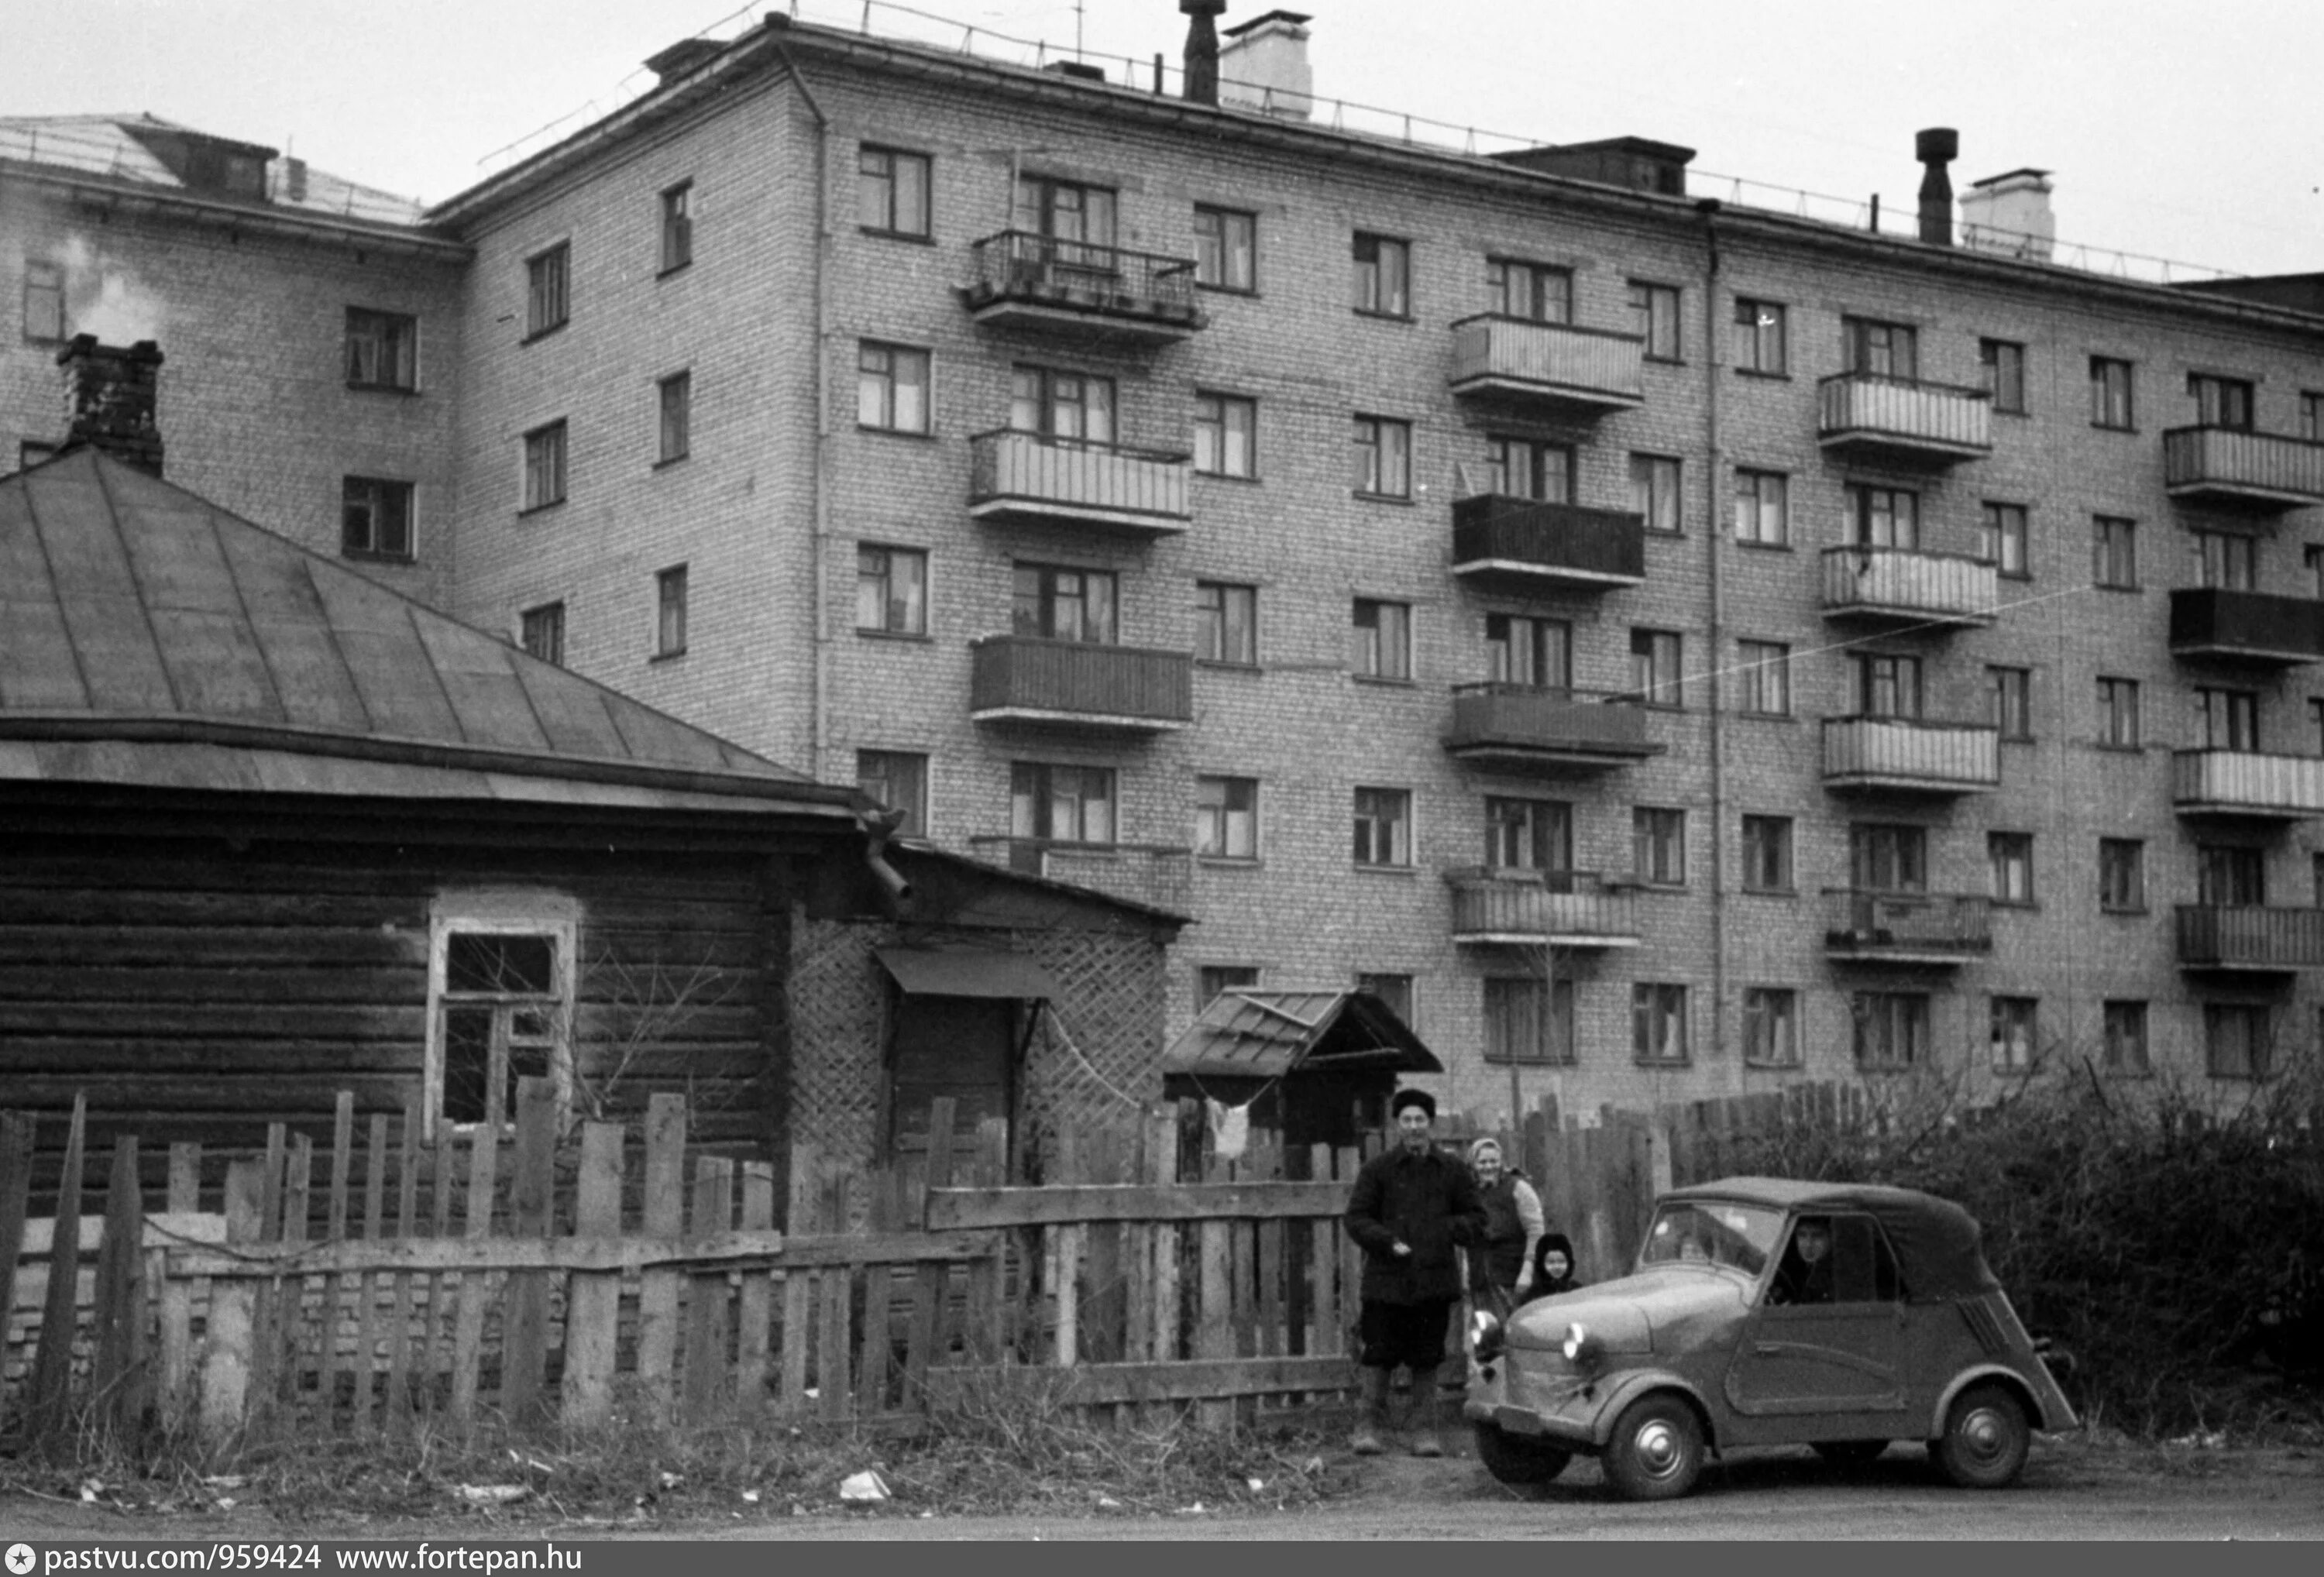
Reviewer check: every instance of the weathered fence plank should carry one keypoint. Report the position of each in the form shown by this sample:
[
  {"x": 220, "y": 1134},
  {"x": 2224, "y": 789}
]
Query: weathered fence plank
[
  {"x": 117, "y": 1378},
  {"x": 705, "y": 1294},
  {"x": 754, "y": 1303},
  {"x": 950, "y": 1209},
  {"x": 50, "y": 1391},
  {"x": 524, "y": 1330},
  {"x": 468, "y": 1332},
  {"x": 177, "y": 1293},
  {"x": 592, "y": 1298},
  {"x": 226, "y": 1335},
  {"x": 665, "y": 1218}
]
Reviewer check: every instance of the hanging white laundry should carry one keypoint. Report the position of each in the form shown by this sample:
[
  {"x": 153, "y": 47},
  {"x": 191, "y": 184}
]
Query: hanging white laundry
[{"x": 1230, "y": 1129}]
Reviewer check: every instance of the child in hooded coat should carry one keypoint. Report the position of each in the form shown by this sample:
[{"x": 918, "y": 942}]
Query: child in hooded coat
[{"x": 1553, "y": 1266}]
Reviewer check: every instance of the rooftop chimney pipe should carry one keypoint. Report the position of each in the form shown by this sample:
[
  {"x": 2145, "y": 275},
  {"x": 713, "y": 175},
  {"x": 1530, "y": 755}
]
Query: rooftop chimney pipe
[
  {"x": 110, "y": 396},
  {"x": 1936, "y": 148},
  {"x": 1201, "y": 49}
]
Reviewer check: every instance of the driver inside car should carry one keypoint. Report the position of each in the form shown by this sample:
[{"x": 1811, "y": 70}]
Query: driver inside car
[{"x": 1805, "y": 1275}]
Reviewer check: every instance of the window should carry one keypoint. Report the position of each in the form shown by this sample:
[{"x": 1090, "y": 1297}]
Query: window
[
  {"x": 1888, "y": 857},
  {"x": 676, "y": 402},
  {"x": 1382, "y": 646},
  {"x": 1529, "y": 834},
  {"x": 1213, "y": 980},
  {"x": 44, "y": 301},
  {"x": 2125, "y": 1036},
  {"x": 1882, "y": 517},
  {"x": 1759, "y": 336},
  {"x": 1226, "y": 436},
  {"x": 677, "y": 226},
  {"x": 1226, "y": 249},
  {"x": 1383, "y": 825},
  {"x": 544, "y": 466},
  {"x": 1760, "y": 513},
  {"x": 891, "y": 590},
  {"x": 1885, "y": 685},
  {"x": 1658, "y": 845},
  {"x": 1383, "y": 450},
  {"x": 897, "y": 779},
  {"x": 1393, "y": 990},
  {"x": 2114, "y": 552},
  {"x": 2118, "y": 713},
  {"x": 1885, "y": 350},
  {"x": 2013, "y": 1034},
  {"x": 2001, "y": 540},
  {"x": 2004, "y": 374},
  {"x": 891, "y": 191},
  {"x": 1383, "y": 275},
  {"x": 542, "y": 633},
  {"x": 2312, "y": 417},
  {"x": 2220, "y": 401},
  {"x": 1654, "y": 667},
  {"x": 2226, "y": 559},
  {"x": 1074, "y": 406},
  {"x": 2311, "y": 564},
  {"x": 2011, "y": 691},
  {"x": 1528, "y": 290},
  {"x": 2122, "y": 875},
  {"x": 669, "y": 611},
  {"x": 2226, "y": 720},
  {"x": 1767, "y": 853},
  {"x": 1892, "y": 1028},
  {"x": 2237, "y": 1037},
  {"x": 1059, "y": 603},
  {"x": 1226, "y": 622},
  {"x": 1226, "y": 817},
  {"x": 2009, "y": 867},
  {"x": 1764, "y": 668},
  {"x": 1521, "y": 650},
  {"x": 1071, "y": 805},
  {"x": 374, "y": 518},
  {"x": 1658, "y": 1022},
  {"x": 892, "y": 387},
  {"x": 1523, "y": 1024},
  {"x": 2230, "y": 876},
  {"x": 548, "y": 301},
  {"x": 383, "y": 350},
  {"x": 1065, "y": 211},
  {"x": 1654, "y": 492},
  {"x": 1771, "y": 1027},
  {"x": 1654, "y": 313},
  {"x": 2111, "y": 390},
  {"x": 1524, "y": 468},
  {"x": 499, "y": 1004}
]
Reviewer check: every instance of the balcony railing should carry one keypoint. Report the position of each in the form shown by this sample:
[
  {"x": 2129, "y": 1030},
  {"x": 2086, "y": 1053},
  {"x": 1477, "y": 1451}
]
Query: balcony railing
[
  {"x": 1508, "y": 727},
  {"x": 2255, "y": 470},
  {"x": 1908, "y": 754},
  {"x": 1157, "y": 875},
  {"x": 2216, "y": 782},
  {"x": 1905, "y": 927},
  {"x": 1030, "y": 476},
  {"x": 1029, "y": 280},
  {"x": 2211, "y": 937},
  {"x": 1560, "y": 363},
  {"x": 1903, "y": 584},
  {"x": 1024, "y": 678},
  {"x": 1902, "y": 418},
  {"x": 2248, "y": 625},
  {"x": 1548, "y": 543},
  {"x": 1560, "y": 908}
]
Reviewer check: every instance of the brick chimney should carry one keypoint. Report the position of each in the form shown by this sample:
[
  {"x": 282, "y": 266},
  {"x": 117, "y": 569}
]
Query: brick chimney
[
  {"x": 1263, "y": 66},
  {"x": 110, "y": 398},
  {"x": 1201, "y": 49}
]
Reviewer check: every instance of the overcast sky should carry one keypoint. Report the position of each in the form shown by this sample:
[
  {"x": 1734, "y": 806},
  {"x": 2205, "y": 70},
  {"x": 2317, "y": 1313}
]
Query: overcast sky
[{"x": 2174, "y": 130}]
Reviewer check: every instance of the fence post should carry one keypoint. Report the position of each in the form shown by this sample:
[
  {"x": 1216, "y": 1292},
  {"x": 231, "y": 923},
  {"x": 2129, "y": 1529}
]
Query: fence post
[
  {"x": 177, "y": 1292},
  {"x": 117, "y": 1379},
  {"x": 665, "y": 1217},
  {"x": 524, "y": 1334},
  {"x": 15, "y": 1200},
  {"x": 226, "y": 1340},
  {"x": 704, "y": 1388},
  {"x": 52, "y": 1376},
  {"x": 592, "y": 1303},
  {"x": 335, "y": 1288}
]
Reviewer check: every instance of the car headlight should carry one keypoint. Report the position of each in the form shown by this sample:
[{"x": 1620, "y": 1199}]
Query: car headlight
[
  {"x": 1486, "y": 1337},
  {"x": 1583, "y": 1350}
]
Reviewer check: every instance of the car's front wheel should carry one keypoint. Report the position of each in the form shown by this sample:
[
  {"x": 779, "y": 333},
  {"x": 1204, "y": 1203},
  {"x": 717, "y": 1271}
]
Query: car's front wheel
[
  {"x": 1656, "y": 1452},
  {"x": 1515, "y": 1459},
  {"x": 1984, "y": 1441}
]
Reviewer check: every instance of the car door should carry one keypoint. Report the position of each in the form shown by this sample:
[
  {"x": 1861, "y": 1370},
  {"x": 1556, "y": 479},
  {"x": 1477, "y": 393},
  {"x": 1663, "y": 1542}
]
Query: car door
[{"x": 1829, "y": 1365}]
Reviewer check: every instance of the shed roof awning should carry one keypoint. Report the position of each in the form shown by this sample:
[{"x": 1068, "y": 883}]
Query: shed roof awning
[
  {"x": 1254, "y": 1033},
  {"x": 967, "y": 971}
]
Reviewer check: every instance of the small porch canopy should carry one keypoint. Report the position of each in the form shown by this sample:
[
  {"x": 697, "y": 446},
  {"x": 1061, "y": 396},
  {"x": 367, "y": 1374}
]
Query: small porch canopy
[{"x": 1318, "y": 1067}]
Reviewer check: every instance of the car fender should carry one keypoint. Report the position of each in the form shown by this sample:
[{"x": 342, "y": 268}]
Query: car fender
[
  {"x": 1635, "y": 1385},
  {"x": 2028, "y": 1395}
]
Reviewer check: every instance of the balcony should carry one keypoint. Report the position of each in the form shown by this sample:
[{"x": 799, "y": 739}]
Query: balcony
[
  {"x": 1537, "y": 544},
  {"x": 2246, "y": 626},
  {"x": 1542, "y": 908},
  {"x": 1938, "y": 929},
  {"x": 1073, "y": 288},
  {"x": 2256, "y": 940},
  {"x": 1157, "y": 875},
  {"x": 2241, "y": 470},
  {"x": 1903, "y": 754},
  {"x": 1024, "y": 678},
  {"x": 1584, "y": 370},
  {"x": 1503, "y": 727},
  {"x": 1031, "y": 478},
  {"x": 1903, "y": 418},
  {"x": 2246, "y": 783},
  {"x": 1904, "y": 586}
]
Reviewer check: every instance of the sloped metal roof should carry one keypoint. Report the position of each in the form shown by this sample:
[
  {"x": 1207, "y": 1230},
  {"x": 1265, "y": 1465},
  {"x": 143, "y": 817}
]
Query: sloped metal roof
[
  {"x": 1256, "y": 1034},
  {"x": 109, "y": 146}
]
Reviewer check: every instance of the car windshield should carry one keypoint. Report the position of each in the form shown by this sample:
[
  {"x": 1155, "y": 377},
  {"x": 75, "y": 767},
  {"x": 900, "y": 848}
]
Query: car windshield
[{"x": 1712, "y": 1231}]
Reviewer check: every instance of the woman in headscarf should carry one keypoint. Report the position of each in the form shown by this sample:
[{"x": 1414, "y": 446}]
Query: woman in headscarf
[
  {"x": 1553, "y": 1266},
  {"x": 1502, "y": 1266}
]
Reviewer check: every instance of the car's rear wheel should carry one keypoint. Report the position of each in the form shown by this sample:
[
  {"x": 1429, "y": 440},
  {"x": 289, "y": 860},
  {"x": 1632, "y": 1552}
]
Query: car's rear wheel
[
  {"x": 1515, "y": 1459},
  {"x": 1656, "y": 1452},
  {"x": 1850, "y": 1453},
  {"x": 1984, "y": 1441}
]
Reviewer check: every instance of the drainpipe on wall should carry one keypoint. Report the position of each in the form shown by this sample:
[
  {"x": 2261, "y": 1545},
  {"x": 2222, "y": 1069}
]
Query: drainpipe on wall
[
  {"x": 1711, "y": 362},
  {"x": 819, "y": 685}
]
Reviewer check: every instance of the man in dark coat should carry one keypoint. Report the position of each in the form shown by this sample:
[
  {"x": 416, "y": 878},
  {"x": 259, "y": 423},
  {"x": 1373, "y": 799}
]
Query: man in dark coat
[{"x": 1409, "y": 1210}]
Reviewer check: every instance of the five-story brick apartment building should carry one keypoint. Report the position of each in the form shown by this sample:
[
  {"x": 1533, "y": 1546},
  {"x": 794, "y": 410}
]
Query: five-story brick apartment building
[{"x": 1668, "y": 649}]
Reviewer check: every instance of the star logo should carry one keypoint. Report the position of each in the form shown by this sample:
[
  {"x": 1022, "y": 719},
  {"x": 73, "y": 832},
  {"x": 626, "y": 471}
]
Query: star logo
[{"x": 20, "y": 1559}]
